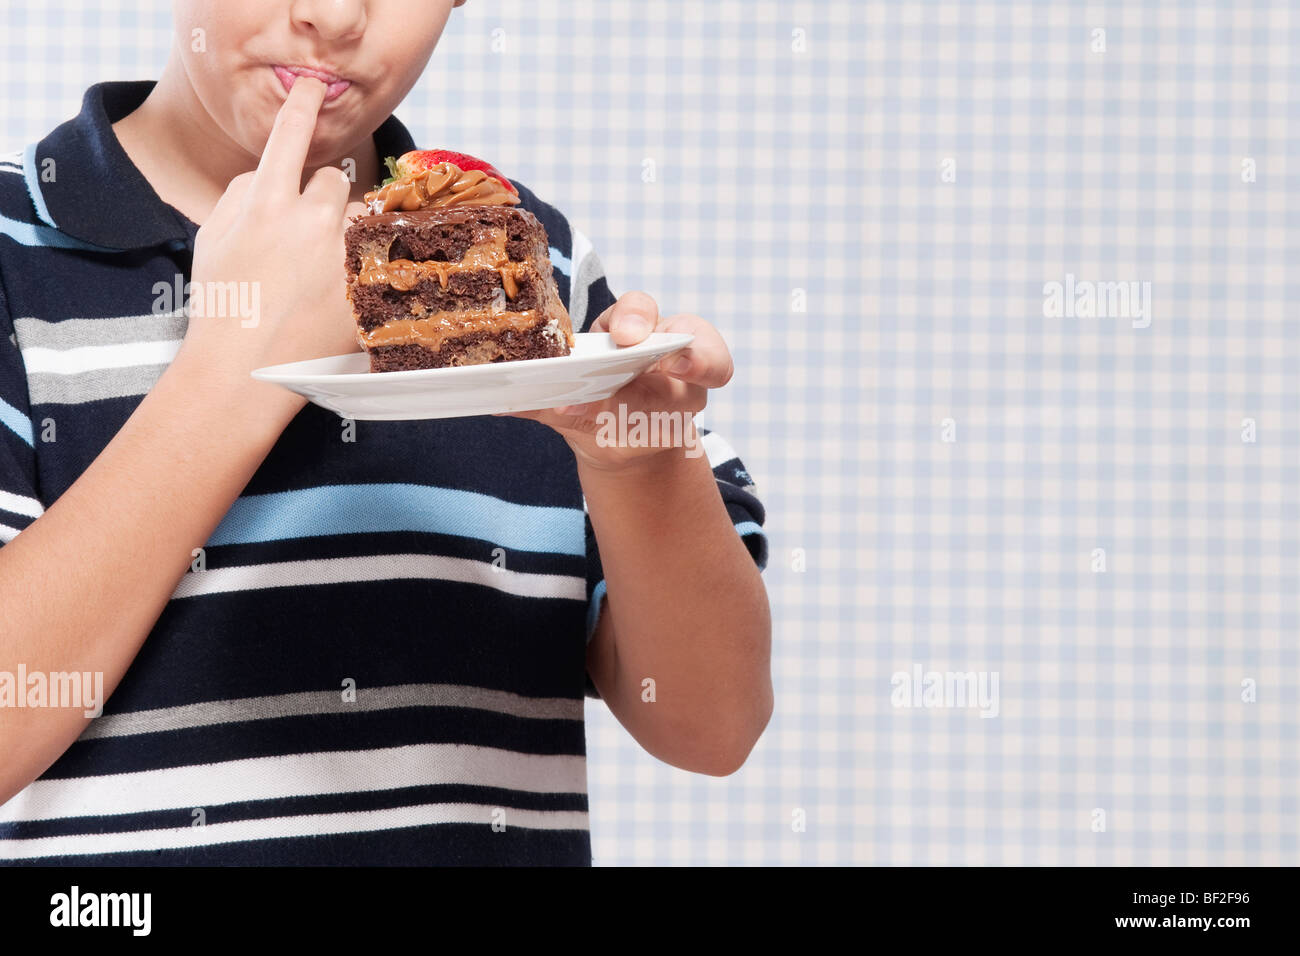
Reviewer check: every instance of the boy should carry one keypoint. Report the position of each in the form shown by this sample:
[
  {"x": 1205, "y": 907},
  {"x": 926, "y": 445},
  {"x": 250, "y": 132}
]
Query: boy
[{"x": 325, "y": 642}]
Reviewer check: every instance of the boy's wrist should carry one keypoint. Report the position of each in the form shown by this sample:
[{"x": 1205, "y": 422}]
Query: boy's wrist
[
  {"x": 658, "y": 477},
  {"x": 644, "y": 464},
  {"x": 257, "y": 409}
]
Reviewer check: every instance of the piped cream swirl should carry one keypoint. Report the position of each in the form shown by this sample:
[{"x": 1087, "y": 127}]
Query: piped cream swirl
[{"x": 445, "y": 184}]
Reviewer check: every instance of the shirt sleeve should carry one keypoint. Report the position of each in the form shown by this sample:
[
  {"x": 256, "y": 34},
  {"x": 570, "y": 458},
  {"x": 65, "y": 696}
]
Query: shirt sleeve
[
  {"x": 589, "y": 297},
  {"x": 20, "y": 503}
]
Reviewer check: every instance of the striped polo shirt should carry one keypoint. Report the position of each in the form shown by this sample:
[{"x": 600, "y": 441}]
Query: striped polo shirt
[{"x": 381, "y": 658}]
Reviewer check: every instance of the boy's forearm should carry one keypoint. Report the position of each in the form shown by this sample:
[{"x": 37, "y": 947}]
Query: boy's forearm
[
  {"x": 686, "y": 608},
  {"x": 84, "y": 584}
]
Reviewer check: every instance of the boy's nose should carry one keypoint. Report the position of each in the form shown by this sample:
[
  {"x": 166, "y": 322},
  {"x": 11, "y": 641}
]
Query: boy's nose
[{"x": 337, "y": 20}]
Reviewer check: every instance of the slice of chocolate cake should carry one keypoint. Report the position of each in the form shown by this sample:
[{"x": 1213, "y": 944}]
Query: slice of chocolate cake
[{"x": 443, "y": 270}]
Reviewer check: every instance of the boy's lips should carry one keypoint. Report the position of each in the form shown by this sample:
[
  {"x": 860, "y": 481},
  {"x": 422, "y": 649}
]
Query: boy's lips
[{"x": 334, "y": 84}]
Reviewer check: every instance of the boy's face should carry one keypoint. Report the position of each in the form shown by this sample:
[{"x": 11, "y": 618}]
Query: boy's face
[{"x": 230, "y": 50}]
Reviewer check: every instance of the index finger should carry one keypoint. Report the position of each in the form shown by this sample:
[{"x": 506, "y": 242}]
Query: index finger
[{"x": 280, "y": 169}]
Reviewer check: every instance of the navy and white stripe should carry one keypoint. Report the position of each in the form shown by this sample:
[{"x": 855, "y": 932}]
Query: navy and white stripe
[{"x": 382, "y": 654}]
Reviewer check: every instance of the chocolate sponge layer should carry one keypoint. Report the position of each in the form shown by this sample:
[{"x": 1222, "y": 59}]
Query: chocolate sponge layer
[
  {"x": 442, "y": 234},
  {"x": 466, "y": 292}
]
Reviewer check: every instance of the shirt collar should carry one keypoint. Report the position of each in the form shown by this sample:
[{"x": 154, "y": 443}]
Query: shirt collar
[{"x": 83, "y": 184}]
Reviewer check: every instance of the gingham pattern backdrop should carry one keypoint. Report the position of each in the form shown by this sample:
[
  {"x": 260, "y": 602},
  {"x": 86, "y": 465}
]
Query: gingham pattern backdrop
[{"x": 867, "y": 199}]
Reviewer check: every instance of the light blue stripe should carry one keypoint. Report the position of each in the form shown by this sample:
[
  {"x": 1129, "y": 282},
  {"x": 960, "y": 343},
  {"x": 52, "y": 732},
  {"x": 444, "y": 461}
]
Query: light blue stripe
[
  {"x": 34, "y": 185},
  {"x": 753, "y": 527},
  {"x": 28, "y": 234},
  {"x": 561, "y": 261},
  {"x": 364, "y": 509},
  {"x": 593, "y": 609},
  {"x": 17, "y": 422}
]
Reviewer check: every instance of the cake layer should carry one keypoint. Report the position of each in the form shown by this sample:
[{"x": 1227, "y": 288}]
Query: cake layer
[{"x": 542, "y": 340}]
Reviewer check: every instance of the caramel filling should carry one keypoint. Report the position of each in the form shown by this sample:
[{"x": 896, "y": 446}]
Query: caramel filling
[
  {"x": 445, "y": 184},
  {"x": 433, "y": 330},
  {"x": 404, "y": 275}
]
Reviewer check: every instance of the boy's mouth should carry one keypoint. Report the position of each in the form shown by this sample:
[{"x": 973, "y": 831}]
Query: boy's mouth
[{"x": 334, "y": 84}]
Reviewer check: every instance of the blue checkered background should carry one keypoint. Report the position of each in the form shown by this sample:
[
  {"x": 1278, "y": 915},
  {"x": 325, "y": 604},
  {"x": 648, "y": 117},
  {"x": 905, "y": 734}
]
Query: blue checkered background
[{"x": 869, "y": 199}]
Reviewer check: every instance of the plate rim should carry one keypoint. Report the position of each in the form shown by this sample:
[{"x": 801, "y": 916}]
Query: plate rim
[{"x": 268, "y": 373}]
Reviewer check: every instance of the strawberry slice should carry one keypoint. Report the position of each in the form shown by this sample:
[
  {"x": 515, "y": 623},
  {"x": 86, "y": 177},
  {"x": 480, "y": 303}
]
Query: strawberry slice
[{"x": 418, "y": 160}]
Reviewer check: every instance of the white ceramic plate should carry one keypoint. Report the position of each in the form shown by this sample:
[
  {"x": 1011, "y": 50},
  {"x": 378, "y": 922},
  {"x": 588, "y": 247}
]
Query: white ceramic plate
[{"x": 595, "y": 369}]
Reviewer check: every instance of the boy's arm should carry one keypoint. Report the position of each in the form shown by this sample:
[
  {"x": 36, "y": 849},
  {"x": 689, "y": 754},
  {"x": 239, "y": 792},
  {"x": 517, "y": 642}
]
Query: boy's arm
[
  {"x": 685, "y": 602},
  {"x": 686, "y": 605},
  {"x": 83, "y": 584},
  {"x": 686, "y": 608}
]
